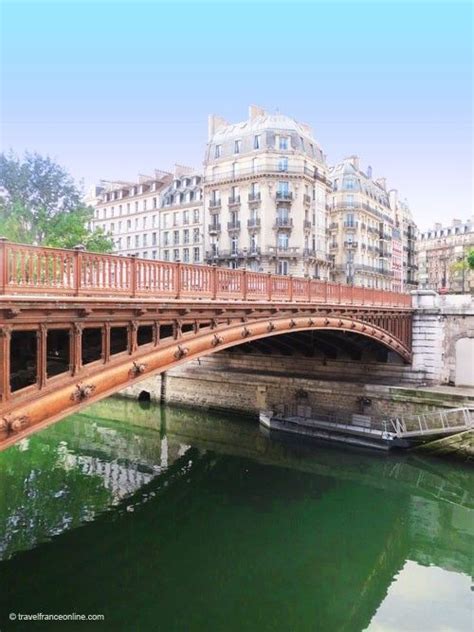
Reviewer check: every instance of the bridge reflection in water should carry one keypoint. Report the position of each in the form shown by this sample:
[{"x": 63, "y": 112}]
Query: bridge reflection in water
[{"x": 196, "y": 522}]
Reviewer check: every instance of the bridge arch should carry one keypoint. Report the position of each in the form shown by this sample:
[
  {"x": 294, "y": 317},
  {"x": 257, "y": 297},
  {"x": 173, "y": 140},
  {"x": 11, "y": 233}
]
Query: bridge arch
[{"x": 22, "y": 417}]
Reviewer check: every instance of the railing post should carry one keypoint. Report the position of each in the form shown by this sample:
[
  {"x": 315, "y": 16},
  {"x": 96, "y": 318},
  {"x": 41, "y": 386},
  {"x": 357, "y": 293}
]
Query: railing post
[
  {"x": 178, "y": 279},
  {"x": 326, "y": 291},
  {"x": 78, "y": 250},
  {"x": 3, "y": 265},
  {"x": 309, "y": 289},
  {"x": 214, "y": 281},
  {"x": 133, "y": 275},
  {"x": 340, "y": 293},
  {"x": 269, "y": 286},
  {"x": 290, "y": 287},
  {"x": 244, "y": 284}
]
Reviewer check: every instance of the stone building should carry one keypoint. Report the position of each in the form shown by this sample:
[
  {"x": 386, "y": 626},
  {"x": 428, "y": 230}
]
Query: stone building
[
  {"x": 441, "y": 255},
  {"x": 181, "y": 218},
  {"x": 369, "y": 242},
  {"x": 130, "y": 213},
  {"x": 265, "y": 185}
]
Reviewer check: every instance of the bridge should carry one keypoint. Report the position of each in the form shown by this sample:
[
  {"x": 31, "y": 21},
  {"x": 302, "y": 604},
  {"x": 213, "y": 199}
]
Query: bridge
[{"x": 77, "y": 326}]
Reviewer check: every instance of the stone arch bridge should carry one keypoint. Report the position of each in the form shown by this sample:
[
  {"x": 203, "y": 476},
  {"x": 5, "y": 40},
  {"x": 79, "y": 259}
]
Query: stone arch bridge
[{"x": 76, "y": 327}]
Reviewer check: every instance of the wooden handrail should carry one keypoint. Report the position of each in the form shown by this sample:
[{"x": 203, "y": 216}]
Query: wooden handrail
[{"x": 34, "y": 270}]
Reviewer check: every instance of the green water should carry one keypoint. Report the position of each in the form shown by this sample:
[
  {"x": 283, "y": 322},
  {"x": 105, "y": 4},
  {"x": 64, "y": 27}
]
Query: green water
[{"x": 176, "y": 520}]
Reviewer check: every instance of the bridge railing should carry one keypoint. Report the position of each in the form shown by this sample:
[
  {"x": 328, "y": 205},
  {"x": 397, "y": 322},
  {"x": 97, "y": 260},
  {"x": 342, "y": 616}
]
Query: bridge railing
[{"x": 32, "y": 270}]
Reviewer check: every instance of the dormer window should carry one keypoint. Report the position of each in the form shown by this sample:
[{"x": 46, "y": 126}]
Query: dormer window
[
  {"x": 283, "y": 142},
  {"x": 218, "y": 151},
  {"x": 237, "y": 146},
  {"x": 256, "y": 141}
]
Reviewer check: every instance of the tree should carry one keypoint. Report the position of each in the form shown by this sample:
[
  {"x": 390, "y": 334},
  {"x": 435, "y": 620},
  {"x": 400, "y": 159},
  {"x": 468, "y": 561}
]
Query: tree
[
  {"x": 43, "y": 205},
  {"x": 470, "y": 259}
]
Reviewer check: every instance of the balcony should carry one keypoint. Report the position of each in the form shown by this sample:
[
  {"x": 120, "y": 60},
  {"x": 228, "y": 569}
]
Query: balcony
[
  {"x": 254, "y": 252},
  {"x": 333, "y": 226},
  {"x": 309, "y": 253},
  {"x": 307, "y": 224},
  {"x": 284, "y": 196},
  {"x": 283, "y": 251},
  {"x": 283, "y": 223},
  {"x": 253, "y": 223},
  {"x": 254, "y": 198},
  {"x": 306, "y": 199},
  {"x": 350, "y": 244},
  {"x": 214, "y": 204},
  {"x": 214, "y": 228},
  {"x": 233, "y": 226},
  {"x": 384, "y": 236},
  {"x": 234, "y": 200},
  {"x": 351, "y": 225}
]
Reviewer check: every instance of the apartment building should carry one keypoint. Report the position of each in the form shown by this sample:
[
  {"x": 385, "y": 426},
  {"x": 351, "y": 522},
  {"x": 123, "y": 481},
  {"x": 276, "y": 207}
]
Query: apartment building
[
  {"x": 182, "y": 218},
  {"x": 367, "y": 230},
  {"x": 130, "y": 213},
  {"x": 265, "y": 186},
  {"x": 441, "y": 254}
]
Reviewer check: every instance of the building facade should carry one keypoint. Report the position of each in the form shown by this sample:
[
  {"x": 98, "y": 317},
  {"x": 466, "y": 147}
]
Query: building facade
[
  {"x": 441, "y": 255},
  {"x": 265, "y": 186},
  {"x": 368, "y": 228}
]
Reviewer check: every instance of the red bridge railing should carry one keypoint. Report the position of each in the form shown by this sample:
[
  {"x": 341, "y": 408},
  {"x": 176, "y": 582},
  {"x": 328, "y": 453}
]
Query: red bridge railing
[{"x": 31, "y": 270}]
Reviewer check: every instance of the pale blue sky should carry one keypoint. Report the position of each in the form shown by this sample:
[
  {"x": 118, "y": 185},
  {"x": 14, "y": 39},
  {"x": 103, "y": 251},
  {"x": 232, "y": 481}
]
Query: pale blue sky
[{"x": 113, "y": 89}]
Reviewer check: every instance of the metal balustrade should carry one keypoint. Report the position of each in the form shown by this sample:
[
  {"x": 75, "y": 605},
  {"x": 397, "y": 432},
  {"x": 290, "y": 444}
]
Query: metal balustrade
[{"x": 32, "y": 270}]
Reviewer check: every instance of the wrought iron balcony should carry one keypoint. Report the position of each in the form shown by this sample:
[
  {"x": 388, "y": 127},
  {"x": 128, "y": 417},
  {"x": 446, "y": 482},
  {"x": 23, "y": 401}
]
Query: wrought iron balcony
[
  {"x": 351, "y": 224},
  {"x": 254, "y": 198},
  {"x": 254, "y": 222},
  {"x": 283, "y": 222},
  {"x": 234, "y": 200},
  {"x": 284, "y": 196},
  {"x": 351, "y": 244},
  {"x": 214, "y": 204},
  {"x": 254, "y": 252},
  {"x": 283, "y": 251},
  {"x": 233, "y": 226},
  {"x": 214, "y": 228}
]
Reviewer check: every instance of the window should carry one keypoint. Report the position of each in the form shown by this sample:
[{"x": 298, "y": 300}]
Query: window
[
  {"x": 176, "y": 219},
  {"x": 144, "y": 240},
  {"x": 136, "y": 241},
  {"x": 112, "y": 227},
  {"x": 176, "y": 254},
  {"x": 218, "y": 151},
  {"x": 196, "y": 215},
  {"x": 185, "y": 217},
  {"x": 136, "y": 223},
  {"x": 136, "y": 207},
  {"x": 234, "y": 243},
  {"x": 283, "y": 164},
  {"x": 154, "y": 202},
  {"x": 145, "y": 255},
  {"x": 166, "y": 238},
  {"x": 166, "y": 255},
  {"x": 144, "y": 222},
  {"x": 283, "y": 267},
  {"x": 129, "y": 242},
  {"x": 196, "y": 255},
  {"x": 237, "y": 146},
  {"x": 129, "y": 224},
  {"x": 186, "y": 255},
  {"x": 128, "y": 207},
  {"x": 166, "y": 220},
  {"x": 195, "y": 235},
  {"x": 153, "y": 254},
  {"x": 256, "y": 141},
  {"x": 176, "y": 237},
  {"x": 153, "y": 220},
  {"x": 120, "y": 209},
  {"x": 186, "y": 236},
  {"x": 144, "y": 205},
  {"x": 283, "y": 241},
  {"x": 283, "y": 188},
  {"x": 153, "y": 239},
  {"x": 283, "y": 142}
]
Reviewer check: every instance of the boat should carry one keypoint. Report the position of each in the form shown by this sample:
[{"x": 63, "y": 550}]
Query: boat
[{"x": 362, "y": 430}]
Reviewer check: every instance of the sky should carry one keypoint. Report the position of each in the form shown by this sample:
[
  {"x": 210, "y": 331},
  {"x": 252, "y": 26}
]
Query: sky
[{"x": 112, "y": 89}]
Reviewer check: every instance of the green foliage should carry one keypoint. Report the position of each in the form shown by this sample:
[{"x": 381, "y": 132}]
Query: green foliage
[
  {"x": 470, "y": 259},
  {"x": 43, "y": 205}
]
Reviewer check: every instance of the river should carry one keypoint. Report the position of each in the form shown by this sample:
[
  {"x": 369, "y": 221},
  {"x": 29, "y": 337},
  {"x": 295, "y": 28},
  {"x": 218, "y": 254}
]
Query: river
[{"x": 177, "y": 520}]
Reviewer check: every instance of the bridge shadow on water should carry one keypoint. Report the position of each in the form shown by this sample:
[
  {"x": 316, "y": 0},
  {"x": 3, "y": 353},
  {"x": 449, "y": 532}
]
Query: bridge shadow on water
[{"x": 169, "y": 519}]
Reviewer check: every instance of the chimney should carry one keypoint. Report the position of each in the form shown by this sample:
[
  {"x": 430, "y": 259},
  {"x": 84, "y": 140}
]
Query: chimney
[
  {"x": 369, "y": 172},
  {"x": 255, "y": 111},
  {"x": 215, "y": 122}
]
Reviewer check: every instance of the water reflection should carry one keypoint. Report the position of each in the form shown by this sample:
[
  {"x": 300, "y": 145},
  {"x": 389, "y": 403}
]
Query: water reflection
[{"x": 202, "y": 522}]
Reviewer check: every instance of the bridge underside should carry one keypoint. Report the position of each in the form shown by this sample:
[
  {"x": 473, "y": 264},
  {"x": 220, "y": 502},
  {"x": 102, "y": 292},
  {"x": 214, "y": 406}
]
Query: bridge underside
[{"x": 59, "y": 355}]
